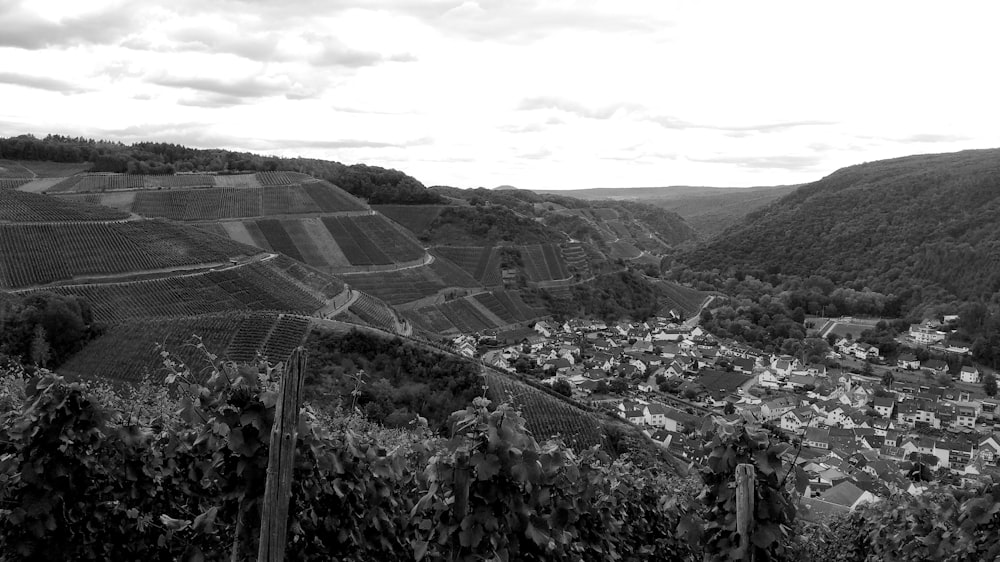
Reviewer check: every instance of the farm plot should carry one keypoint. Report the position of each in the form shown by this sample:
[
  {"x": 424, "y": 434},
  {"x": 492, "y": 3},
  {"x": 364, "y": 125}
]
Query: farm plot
[
  {"x": 545, "y": 415},
  {"x": 490, "y": 301},
  {"x": 372, "y": 249},
  {"x": 431, "y": 319},
  {"x": 258, "y": 286},
  {"x": 165, "y": 204},
  {"x": 415, "y": 218},
  {"x": 330, "y": 199},
  {"x": 684, "y": 300},
  {"x": 174, "y": 244},
  {"x": 465, "y": 316},
  {"x": 399, "y": 247},
  {"x": 353, "y": 251},
  {"x": 289, "y": 333},
  {"x": 374, "y": 312},
  {"x": 12, "y": 169},
  {"x": 273, "y": 178},
  {"x": 624, "y": 250},
  {"x": 18, "y": 206},
  {"x": 128, "y": 351},
  {"x": 318, "y": 283},
  {"x": 13, "y": 183},
  {"x": 471, "y": 259},
  {"x": 513, "y": 302},
  {"x": 45, "y": 169},
  {"x": 452, "y": 276},
  {"x": 397, "y": 287},
  {"x": 287, "y": 200},
  {"x": 543, "y": 263},
  {"x": 179, "y": 180},
  {"x": 309, "y": 251}
]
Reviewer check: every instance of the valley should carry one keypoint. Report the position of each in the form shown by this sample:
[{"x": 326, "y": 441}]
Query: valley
[{"x": 823, "y": 321}]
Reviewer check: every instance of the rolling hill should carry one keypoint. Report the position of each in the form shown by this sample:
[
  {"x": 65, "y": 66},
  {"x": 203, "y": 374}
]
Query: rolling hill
[
  {"x": 920, "y": 228},
  {"x": 708, "y": 210}
]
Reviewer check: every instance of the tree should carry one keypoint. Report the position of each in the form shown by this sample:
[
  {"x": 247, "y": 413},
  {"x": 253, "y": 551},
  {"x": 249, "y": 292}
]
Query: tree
[
  {"x": 867, "y": 370},
  {"x": 563, "y": 387},
  {"x": 40, "y": 350},
  {"x": 601, "y": 387},
  {"x": 618, "y": 386},
  {"x": 990, "y": 384},
  {"x": 887, "y": 379},
  {"x": 729, "y": 408}
]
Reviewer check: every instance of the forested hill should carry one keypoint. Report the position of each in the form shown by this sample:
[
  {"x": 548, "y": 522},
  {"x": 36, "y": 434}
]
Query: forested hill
[
  {"x": 375, "y": 184},
  {"x": 598, "y": 222},
  {"x": 922, "y": 228}
]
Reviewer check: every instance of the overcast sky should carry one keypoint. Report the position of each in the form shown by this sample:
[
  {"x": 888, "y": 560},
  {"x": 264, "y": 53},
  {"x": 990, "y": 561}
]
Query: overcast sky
[{"x": 536, "y": 94}]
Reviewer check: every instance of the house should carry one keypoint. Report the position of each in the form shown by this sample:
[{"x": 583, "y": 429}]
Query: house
[
  {"x": 817, "y": 438},
  {"x": 848, "y": 495},
  {"x": 720, "y": 383},
  {"x": 969, "y": 375},
  {"x": 795, "y": 419},
  {"x": 659, "y": 415},
  {"x": 884, "y": 405},
  {"x": 634, "y": 415},
  {"x": 908, "y": 361},
  {"x": 744, "y": 365},
  {"x": 864, "y": 351},
  {"x": 935, "y": 366},
  {"x": 965, "y": 416},
  {"x": 768, "y": 380},
  {"x": 926, "y": 335},
  {"x": 989, "y": 450},
  {"x": 774, "y": 409}
]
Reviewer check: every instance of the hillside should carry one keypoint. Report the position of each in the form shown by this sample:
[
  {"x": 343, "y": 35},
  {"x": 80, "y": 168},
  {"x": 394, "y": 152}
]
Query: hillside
[
  {"x": 921, "y": 228},
  {"x": 708, "y": 210}
]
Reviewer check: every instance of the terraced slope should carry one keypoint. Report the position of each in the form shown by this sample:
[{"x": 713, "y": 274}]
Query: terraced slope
[
  {"x": 225, "y": 202},
  {"x": 402, "y": 286},
  {"x": 19, "y": 206},
  {"x": 476, "y": 313},
  {"x": 128, "y": 351},
  {"x": 261, "y": 285},
  {"x": 545, "y": 415},
  {"x": 36, "y": 254}
]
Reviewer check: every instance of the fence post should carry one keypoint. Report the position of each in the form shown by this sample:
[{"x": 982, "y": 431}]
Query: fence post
[
  {"x": 745, "y": 488},
  {"x": 281, "y": 459}
]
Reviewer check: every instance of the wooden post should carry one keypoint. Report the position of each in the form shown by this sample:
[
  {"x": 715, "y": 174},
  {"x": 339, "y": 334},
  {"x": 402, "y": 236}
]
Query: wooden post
[
  {"x": 281, "y": 459},
  {"x": 746, "y": 484},
  {"x": 461, "y": 482}
]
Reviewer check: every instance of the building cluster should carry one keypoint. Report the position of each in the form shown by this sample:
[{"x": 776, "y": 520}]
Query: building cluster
[{"x": 860, "y": 441}]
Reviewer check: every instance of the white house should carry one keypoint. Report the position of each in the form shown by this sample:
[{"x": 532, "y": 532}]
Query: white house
[
  {"x": 970, "y": 375},
  {"x": 923, "y": 334}
]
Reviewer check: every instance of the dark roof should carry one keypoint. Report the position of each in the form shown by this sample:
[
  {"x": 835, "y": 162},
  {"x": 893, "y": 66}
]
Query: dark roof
[
  {"x": 713, "y": 380},
  {"x": 845, "y": 494}
]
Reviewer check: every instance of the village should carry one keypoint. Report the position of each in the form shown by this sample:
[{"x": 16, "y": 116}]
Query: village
[{"x": 856, "y": 439}]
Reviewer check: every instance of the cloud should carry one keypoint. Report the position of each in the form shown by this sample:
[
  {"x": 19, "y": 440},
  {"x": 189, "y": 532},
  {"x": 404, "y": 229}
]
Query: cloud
[
  {"x": 249, "y": 45},
  {"x": 352, "y": 143},
  {"x": 576, "y": 108},
  {"x": 783, "y": 162},
  {"x": 212, "y": 100},
  {"x": 22, "y": 29},
  {"x": 933, "y": 137},
  {"x": 252, "y": 87},
  {"x": 333, "y": 52},
  {"x": 40, "y": 83},
  {"x": 536, "y": 155}
]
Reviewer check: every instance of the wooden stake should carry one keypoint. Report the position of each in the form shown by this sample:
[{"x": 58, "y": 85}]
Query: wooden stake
[
  {"x": 281, "y": 459},
  {"x": 746, "y": 484}
]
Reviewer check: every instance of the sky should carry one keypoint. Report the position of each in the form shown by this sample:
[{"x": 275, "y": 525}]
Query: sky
[{"x": 536, "y": 94}]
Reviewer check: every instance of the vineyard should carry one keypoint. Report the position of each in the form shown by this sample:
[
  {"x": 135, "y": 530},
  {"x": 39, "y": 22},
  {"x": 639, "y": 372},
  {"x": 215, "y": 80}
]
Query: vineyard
[
  {"x": 33, "y": 254},
  {"x": 12, "y": 183},
  {"x": 685, "y": 300},
  {"x": 547, "y": 416},
  {"x": 543, "y": 262},
  {"x": 481, "y": 262},
  {"x": 18, "y": 206},
  {"x": 129, "y": 350},
  {"x": 374, "y": 312},
  {"x": 415, "y": 218},
  {"x": 407, "y": 285},
  {"x": 228, "y": 201},
  {"x": 575, "y": 256},
  {"x": 623, "y": 250},
  {"x": 473, "y": 314},
  {"x": 256, "y": 286}
]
